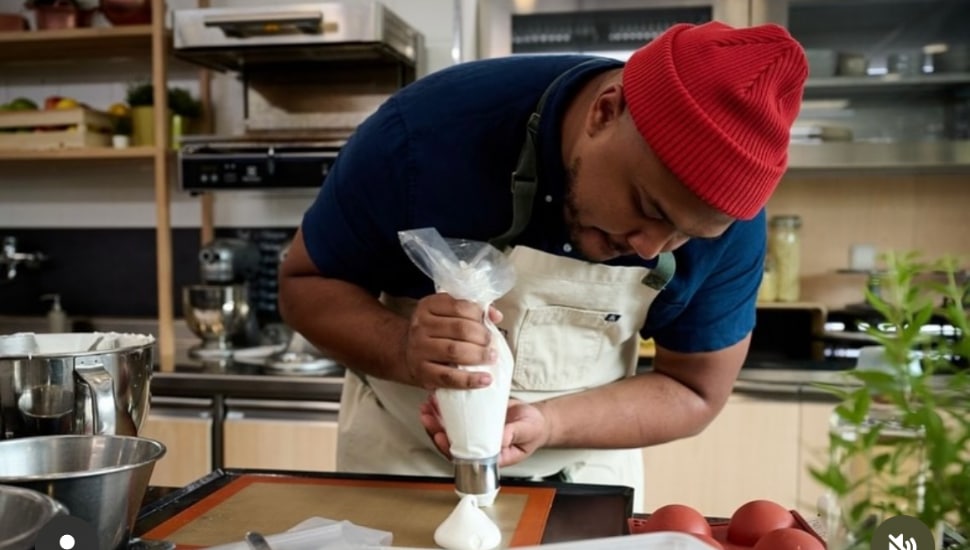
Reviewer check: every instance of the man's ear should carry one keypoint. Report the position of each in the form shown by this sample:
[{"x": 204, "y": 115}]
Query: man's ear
[{"x": 606, "y": 109}]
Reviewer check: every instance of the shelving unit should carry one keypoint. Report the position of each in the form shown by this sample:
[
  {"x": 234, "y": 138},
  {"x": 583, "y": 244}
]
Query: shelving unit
[{"x": 95, "y": 45}]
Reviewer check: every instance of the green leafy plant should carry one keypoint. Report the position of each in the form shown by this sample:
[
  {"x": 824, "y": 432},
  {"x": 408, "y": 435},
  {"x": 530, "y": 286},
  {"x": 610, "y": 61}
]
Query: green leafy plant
[
  {"x": 181, "y": 102},
  {"x": 900, "y": 443},
  {"x": 140, "y": 94}
]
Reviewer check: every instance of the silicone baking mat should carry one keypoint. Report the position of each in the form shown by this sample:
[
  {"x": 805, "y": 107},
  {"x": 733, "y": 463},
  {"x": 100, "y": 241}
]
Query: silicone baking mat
[{"x": 411, "y": 511}]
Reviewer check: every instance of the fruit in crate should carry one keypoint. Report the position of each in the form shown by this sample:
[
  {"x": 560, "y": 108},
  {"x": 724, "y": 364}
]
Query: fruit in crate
[
  {"x": 50, "y": 102},
  {"x": 67, "y": 103},
  {"x": 20, "y": 104}
]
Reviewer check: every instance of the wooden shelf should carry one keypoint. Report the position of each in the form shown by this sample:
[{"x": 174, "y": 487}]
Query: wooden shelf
[
  {"x": 75, "y": 44},
  {"x": 96, "y": 153}
]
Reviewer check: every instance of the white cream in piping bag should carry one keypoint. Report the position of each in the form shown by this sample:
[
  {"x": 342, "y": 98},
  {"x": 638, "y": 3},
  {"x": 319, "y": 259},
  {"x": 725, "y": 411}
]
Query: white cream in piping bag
[
  {"x": 468, "y": 527},
  {"x": 475, "y": 420}
]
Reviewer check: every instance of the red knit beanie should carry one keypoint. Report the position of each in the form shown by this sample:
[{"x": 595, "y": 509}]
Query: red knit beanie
[{"x": 716, "y": 104}]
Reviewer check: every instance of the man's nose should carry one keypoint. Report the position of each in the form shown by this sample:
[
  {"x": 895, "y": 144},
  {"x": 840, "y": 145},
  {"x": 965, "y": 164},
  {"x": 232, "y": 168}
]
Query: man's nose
[{"x": 647, "y": 243}]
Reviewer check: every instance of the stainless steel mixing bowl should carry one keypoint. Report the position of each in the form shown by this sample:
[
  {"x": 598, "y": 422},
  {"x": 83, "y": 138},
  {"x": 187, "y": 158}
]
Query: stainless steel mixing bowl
[
  {"x": 101, "y": 479},
  {"x": 22, "y": 514}
]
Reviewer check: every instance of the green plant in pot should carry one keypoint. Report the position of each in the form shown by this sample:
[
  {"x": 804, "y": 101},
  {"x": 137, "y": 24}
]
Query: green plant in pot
[
  {"x": 141, "y": 99},
  {"x": 186, "y": 110},
  {"x": 900, "y": 436}
]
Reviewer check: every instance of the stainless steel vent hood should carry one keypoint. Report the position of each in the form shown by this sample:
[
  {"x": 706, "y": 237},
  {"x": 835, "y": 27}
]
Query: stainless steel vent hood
[{"x": 239, "y": 39}]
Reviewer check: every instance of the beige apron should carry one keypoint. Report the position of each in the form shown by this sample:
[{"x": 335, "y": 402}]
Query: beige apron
[{"x": 571, "y": 326}]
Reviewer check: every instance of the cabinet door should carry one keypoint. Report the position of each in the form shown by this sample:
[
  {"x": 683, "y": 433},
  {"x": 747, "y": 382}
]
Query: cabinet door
[
  {"x": 187, "y": 437},
  {"x": 281, "y": 440},
  {"x": 814, "y": 448},
  {"x": 750, "y": 451}
]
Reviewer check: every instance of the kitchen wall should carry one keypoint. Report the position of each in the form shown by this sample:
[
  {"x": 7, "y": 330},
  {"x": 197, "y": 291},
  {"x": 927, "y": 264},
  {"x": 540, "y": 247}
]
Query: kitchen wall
[{"x": 894, "y": 212}]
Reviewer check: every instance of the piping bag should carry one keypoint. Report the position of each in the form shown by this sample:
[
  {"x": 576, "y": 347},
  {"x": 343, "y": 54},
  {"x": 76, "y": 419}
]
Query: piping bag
[{"x": 473, "y": 419}]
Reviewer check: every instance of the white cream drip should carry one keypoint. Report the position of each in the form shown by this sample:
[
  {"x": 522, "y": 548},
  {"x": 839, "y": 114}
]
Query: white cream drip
[{"x": 468, "y": 527}]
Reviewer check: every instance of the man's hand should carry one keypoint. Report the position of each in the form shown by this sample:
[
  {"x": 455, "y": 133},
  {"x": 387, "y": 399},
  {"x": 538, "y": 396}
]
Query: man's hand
[
  {"x": 526, "y": 430},
  {"x": 443, "y": 333}
]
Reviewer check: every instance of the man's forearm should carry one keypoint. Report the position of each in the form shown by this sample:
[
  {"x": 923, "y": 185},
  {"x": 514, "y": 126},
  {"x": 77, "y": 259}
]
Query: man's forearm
[
  {"x": 644, "y": 410},
  {"x": 347, "y": 323},
  {"x": 679, "y": 398}
]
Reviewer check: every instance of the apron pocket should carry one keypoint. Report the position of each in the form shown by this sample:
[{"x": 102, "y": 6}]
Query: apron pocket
[{"x": 559, "y": 348}]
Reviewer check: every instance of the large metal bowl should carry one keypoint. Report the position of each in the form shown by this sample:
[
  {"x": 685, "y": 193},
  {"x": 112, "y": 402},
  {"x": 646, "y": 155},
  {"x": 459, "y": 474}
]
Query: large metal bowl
[
  {"x": 22, "y": 514},
  {"x": 101, "y": 479}
]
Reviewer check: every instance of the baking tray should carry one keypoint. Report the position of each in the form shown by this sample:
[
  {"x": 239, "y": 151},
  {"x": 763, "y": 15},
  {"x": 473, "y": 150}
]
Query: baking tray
[{"x": 571, "y": 511}]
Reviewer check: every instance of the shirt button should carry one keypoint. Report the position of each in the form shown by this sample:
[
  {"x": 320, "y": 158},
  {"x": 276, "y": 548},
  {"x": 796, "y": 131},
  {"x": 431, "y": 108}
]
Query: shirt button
[
  {"x": 548, "y": 198},
  {"x": 567, "y": 247}
]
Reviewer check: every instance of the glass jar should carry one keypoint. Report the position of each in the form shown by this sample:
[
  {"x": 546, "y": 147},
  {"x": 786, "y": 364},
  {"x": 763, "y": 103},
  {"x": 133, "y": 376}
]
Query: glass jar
[
  {"x": 768, "y": 291},
  {"x": 784, "y": 249}
]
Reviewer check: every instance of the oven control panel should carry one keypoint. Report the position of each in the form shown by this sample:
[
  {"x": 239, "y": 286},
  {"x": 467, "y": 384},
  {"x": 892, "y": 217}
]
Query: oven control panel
[{"x": 214, "y": 168}]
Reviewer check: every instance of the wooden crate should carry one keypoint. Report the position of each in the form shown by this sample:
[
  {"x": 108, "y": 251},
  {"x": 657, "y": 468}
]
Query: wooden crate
[{"x": 55, "y": 129}]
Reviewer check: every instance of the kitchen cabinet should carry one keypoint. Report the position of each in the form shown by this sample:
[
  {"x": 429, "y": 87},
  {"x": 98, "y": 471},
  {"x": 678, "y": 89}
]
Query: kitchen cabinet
[
  {"x": 280, "y": 435},
  {"x": 184, "y": 426},
  {"x": 814, "y": 419},
  {"x": 750, "y": 451}
]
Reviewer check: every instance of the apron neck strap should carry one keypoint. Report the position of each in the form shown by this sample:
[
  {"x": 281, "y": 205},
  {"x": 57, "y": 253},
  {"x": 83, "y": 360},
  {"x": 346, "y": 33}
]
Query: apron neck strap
[{"x": 524, "y": 179}]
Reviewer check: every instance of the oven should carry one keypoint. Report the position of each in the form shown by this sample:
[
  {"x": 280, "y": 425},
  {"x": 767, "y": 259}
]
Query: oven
[
  {"x": 310, "y": 74},
  {"x": 613, "y": 28}
]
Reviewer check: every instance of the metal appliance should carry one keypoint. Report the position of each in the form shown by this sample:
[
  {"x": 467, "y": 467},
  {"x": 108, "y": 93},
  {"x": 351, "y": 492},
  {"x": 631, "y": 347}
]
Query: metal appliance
[
  {"x": 311, "y": 73},
  {"x": 74, "y": 383},
  {"x": 612, "y": 28},
  {"x": 218, "y": 310}
]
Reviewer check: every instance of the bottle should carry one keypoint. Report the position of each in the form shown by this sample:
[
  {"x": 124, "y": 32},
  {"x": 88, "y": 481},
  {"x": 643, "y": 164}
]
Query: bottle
[
  {"x": 784, "y": 248},
  {"x": 57, "y": 321}
]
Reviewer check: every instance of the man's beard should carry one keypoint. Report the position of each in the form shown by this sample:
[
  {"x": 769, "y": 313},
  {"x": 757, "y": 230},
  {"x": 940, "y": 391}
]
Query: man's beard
[{"x": 570, "y": 210}]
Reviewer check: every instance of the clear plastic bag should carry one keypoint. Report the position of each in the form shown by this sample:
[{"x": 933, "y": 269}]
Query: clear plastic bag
[
  {"x": 465, "y": 269},
  {"x": 478, "y": 272}
]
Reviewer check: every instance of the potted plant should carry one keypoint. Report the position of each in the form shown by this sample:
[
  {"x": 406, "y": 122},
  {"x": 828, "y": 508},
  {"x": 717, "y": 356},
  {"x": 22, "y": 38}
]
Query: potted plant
[
  {"x": 141, "y": 99},
  {"x": 186, "y": 110},
  {"x": 900, "y": 436}
]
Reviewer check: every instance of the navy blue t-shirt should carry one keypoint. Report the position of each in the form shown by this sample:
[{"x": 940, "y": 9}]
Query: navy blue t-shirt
[{"x": 440, "y": 153}]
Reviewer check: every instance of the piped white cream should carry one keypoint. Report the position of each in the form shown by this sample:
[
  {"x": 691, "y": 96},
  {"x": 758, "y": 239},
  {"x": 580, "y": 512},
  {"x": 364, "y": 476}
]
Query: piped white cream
[{"x": 468, "y": 527}]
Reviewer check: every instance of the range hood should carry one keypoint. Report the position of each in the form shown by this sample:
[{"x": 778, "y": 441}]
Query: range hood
[{"x": 244, "y": 38}]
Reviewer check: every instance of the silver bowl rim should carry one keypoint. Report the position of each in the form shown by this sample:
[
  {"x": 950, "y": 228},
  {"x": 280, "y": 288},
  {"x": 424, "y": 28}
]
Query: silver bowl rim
[
  {"x": 52, "y": 507},
  {"x": 149, "y": 343},
  {"x": 159, "y": 452}
]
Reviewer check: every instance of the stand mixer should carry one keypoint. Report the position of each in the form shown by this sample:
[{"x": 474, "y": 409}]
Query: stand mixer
[{"x": 218, "y": 309}]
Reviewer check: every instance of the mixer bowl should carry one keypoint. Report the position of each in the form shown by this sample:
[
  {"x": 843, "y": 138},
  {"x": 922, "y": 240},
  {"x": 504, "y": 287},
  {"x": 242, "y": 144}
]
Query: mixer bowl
[
  {"x": 101, "y": 479},
  {"x": 77, "y": 382},
  {"x": 215, "y": 313},
  {"x": 22, "y": 514}
]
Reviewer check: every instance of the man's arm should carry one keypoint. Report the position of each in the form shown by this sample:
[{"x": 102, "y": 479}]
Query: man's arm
[
  {"x": 357, "y": 331},
  {"x": 341, "y": 318},
  {"x": 679, "y": 398}
]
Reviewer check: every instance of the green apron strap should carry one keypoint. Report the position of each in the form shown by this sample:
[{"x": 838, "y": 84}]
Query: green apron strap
[
  {"x": 524, "y": 178},
  {"x": 660, "y": 275},
  {"x": 524, "y": 183}
]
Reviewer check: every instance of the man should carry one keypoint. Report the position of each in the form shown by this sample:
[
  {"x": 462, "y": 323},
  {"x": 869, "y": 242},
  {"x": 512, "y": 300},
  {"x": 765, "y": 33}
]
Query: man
[{"x": 677, "y": 151}]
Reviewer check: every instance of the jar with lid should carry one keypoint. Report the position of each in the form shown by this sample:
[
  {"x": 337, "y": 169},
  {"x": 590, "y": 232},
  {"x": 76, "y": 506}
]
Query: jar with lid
[
  {"x": 768, "y": 291},
  {"x": 784, "y": 249}
]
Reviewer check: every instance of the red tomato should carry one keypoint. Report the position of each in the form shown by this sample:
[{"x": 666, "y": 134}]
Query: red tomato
[
  {"x": 677, "y": 517},
  {"x": 789, "y": 538},
  {"x": 710, "y": 541},
  {"x": 755, "y": 519}
]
